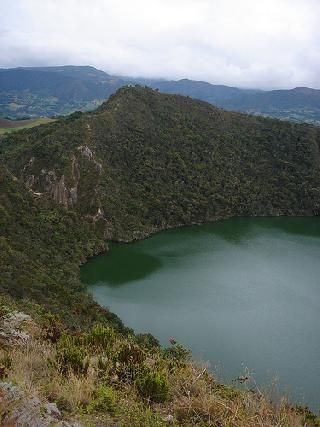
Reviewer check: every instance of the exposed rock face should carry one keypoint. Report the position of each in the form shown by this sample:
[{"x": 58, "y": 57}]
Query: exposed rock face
[
  {"x": 60, "y": 192},
  {"x": 89, "y": 155},
  {"x": 86, "y": 152},
  {"x": 63, "y": 188}
]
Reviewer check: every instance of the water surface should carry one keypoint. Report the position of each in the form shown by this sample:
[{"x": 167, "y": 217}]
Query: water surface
[{"x": 240, "y": 293}]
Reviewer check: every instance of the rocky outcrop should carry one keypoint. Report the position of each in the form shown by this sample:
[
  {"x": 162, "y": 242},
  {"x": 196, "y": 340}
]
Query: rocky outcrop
[
  {"x": 88, "y": 154},
  {"x": 11, "y": 332},
  {"x": 28, "y": 410},
  {"x": 63, "y": 188}
]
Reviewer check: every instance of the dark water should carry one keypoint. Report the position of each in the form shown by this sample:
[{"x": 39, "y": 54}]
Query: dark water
[{"x": 239, "y": 293}]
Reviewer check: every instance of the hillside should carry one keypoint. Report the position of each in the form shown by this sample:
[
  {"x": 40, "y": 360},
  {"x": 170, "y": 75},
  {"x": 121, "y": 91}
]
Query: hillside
[
  {"x": 142, "y": 162},
  {"x": 145, "y": 161},
  {"x": 47, "y": 91}
]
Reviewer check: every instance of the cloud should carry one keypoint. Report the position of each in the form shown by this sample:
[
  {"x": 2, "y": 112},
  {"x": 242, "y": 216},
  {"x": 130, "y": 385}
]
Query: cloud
[{"x": 247, "y": 43}]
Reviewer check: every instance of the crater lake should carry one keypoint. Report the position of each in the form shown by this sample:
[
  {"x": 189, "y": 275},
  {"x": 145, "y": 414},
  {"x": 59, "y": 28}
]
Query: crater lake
[{"x": 243, "y": 294}]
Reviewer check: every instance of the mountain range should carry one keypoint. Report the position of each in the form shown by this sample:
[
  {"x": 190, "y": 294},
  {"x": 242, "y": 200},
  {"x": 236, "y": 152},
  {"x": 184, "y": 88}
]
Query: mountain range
[{"x": 50, "y": 91}]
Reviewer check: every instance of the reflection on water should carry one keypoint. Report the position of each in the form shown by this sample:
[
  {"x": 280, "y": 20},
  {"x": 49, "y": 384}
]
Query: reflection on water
[
  {"x": 132, "y": 265},
  {"x": 238, "y": 292}
]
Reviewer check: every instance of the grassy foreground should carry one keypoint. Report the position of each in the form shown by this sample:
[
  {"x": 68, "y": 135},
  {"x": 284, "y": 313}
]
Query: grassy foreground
[{"x": 103, "y": 378}]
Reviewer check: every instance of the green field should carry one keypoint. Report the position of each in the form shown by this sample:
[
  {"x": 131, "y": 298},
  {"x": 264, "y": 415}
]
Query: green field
[{"x": 13, "y": 125}]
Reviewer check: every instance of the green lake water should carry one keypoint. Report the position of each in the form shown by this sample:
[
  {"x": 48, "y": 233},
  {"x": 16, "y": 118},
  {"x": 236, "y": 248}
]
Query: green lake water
[{"x": 244, "y": 292}]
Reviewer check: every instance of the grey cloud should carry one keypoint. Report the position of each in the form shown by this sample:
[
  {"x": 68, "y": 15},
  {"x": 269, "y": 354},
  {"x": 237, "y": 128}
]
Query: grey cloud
[{"x": 268, "y": 44}]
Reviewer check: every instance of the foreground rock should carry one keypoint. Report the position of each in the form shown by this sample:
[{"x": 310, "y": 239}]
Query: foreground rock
[{"x": 28, "y": 411}]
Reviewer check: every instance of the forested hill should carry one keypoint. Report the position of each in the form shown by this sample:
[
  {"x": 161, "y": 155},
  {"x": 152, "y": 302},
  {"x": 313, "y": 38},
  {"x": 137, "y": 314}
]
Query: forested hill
[{"x": 146, "y": 161}]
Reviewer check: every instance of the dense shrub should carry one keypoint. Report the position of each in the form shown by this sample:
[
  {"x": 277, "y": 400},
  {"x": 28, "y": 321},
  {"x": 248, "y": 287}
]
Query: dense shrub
[
  {"x": 178, "y": 354},
  {"x": 71, "y": 356},
  {"x": 153, "y": 386},
  {"x": 105, "y": 400},
  {"x": 100, "y": 337}
]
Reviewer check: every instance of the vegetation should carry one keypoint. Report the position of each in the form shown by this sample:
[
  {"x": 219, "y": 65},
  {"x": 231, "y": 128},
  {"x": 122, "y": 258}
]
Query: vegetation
[
  {"x": 146, "y": 161},
  {"x": 149, "y": 390},
  {"x": 142, "y": 162},
  {"x": 41, "y": 246}
]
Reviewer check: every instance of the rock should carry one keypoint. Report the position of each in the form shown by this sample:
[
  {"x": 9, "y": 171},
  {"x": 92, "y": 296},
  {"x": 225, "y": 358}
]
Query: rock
[
  {"x": 16, "y": 318},
  {"x": 10, "y": 325},
  {"x": 85, "y": 151},
  {"x": 168, "y": 419},
  {"x": 29, "y": 411},
  {"x": 52, "y": 409}
]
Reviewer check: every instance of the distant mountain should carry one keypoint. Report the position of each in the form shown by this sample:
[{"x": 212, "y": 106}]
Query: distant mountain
[
  {"x": 47, "y": 91},
  {"x": 299, "y": 104},
  {"x": 215, "y": 94},
  {"x": 37, "y": 91}
]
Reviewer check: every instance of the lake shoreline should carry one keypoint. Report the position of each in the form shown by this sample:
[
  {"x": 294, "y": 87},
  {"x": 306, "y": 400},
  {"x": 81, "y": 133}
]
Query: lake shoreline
[{"x": 244, "y": 303}]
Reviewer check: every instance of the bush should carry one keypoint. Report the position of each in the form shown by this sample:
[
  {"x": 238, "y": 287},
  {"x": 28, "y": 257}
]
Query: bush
[
  {"x": 52, "y": 328},
  {"x": 148, "y": 341},
  {"x": 71, "y": 356},
  {"x": 309, "y": 418},
  {"x": 100, "y": 337},
  {"x": 130, "y": 353},
  {"x": 153, "y": 386},
  {"x": 128, "y": 361},
  {"x": 105, "y": 400},
  {"x": 177, "y": 354}
]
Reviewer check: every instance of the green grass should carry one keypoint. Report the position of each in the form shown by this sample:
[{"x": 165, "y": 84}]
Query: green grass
[{"x": 25, "y": 124}]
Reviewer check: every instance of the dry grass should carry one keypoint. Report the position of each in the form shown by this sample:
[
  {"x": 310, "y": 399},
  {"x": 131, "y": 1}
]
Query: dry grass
[
  {"x": 196, "y": 399},
  {"x": 72, "y": 391},
  {"x": 29, "y": 365}
]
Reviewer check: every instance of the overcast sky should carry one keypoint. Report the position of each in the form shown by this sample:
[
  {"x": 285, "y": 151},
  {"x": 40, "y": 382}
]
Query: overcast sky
[{"x": 246, "y": 43}]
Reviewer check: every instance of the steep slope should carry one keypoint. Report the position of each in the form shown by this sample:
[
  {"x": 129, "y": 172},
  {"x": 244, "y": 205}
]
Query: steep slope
[{"x": 41, "y": 246}]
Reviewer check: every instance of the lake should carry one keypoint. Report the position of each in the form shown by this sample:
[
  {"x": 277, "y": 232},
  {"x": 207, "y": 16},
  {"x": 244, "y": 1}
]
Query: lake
[{"x": 244, "y": 292}]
